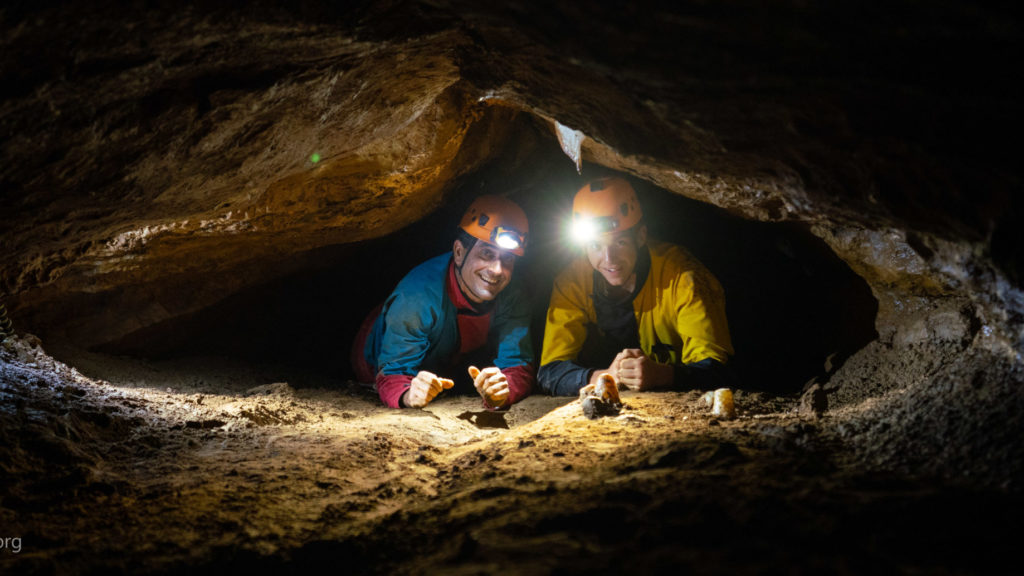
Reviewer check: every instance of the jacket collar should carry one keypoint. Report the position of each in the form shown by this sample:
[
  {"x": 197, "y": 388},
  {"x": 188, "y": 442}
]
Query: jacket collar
[{"x": 462, "y": 303}]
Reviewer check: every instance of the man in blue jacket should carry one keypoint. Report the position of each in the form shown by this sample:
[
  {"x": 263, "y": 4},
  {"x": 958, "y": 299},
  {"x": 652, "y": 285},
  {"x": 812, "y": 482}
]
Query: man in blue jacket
[{"x": 453, "y": 308}]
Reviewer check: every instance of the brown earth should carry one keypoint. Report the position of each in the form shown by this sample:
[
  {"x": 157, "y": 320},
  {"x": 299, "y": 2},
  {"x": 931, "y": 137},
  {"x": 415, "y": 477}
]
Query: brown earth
[{"x": 198, "y": 465}]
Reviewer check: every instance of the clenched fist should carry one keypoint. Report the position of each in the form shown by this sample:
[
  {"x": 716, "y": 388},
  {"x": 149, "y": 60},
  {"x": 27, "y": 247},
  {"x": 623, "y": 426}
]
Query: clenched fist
[
  {"x": 491, "y": 384},
  {"x": 423, "y": 388},
  {"x": 636, "y": 371}
]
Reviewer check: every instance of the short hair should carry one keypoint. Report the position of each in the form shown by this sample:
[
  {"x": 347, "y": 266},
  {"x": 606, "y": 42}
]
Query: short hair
[{"x": 465, "y": 238}]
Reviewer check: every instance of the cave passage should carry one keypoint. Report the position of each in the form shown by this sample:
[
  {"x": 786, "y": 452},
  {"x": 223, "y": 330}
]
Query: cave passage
[
  {"x": 794, "y": 308},
  {"x": 207, "y": 424}
]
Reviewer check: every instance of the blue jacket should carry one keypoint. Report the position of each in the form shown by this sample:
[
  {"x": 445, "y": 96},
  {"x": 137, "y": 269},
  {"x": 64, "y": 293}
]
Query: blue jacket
[{"x": 417, "y": 328}]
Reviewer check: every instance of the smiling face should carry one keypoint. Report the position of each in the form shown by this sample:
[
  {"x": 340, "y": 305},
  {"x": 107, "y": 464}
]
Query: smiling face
[
  {"x": 484, "y": 271},
  {"x": 614, "y": 256}
]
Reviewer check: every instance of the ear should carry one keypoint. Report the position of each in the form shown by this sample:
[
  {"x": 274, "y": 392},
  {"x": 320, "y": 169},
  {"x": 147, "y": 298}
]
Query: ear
[
  {"x": 458, "y": 253},
  {"x": 641, "y": 236}
]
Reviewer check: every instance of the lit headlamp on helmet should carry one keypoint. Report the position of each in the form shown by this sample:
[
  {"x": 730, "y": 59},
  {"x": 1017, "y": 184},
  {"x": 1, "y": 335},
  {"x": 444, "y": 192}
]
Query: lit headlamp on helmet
[
  {"x": 507, "y": 238},
  {"x": 604, "y": 206},
  {"x": 498, "y": 221},
  {"x": 588, "y": 229}
]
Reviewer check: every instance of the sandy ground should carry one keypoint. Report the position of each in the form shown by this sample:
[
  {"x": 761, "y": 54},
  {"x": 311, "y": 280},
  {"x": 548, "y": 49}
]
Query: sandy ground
[{"x": 200, "y": 465}]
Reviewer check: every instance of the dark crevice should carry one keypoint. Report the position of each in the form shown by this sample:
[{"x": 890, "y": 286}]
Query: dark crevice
[{"x": 792, "y": 304}]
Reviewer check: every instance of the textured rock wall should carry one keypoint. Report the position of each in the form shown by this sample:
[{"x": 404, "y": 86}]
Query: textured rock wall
[{"x": 159, "y": 158}]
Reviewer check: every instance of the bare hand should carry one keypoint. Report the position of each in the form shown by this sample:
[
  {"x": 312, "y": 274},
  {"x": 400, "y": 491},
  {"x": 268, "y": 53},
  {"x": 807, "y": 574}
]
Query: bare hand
[
  {"x": 643, "y": 373},
  {"x": 614, "y": 368},
  {"x": 491, "y": 384},
  {"x": 424, "y": 387}
]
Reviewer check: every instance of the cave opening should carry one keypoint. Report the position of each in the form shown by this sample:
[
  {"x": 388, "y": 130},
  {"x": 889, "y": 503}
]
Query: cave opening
[
  {"x": 886, "y": 152},
  {"x": 795, "y": 309}
]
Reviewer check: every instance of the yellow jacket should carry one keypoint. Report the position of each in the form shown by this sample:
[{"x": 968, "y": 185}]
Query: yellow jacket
[{"x": 680, "y": 310}]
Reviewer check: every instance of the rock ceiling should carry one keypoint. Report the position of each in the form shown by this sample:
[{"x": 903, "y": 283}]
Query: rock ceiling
[{"x": 158, "y": 158}]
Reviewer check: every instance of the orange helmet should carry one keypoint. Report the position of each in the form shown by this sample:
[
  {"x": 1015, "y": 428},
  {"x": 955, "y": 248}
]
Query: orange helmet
[
  {"x": 604, "y": 205},
  {"x": 498, "y": 221}
]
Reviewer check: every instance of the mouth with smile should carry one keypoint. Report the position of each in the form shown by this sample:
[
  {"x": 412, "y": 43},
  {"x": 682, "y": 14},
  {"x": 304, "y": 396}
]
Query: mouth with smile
[
  {"x": 491, "y": 281},
  {"x": 489, "y": 285}
]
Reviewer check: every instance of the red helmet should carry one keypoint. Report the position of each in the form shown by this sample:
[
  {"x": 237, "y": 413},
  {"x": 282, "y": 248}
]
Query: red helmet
[
  {"x": 605, "y": 205},
  {"x": 498, "y": 221}
]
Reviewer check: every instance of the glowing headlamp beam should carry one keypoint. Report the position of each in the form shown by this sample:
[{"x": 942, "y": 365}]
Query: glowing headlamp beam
[
  {"x": 507, "y": 241},
  {"x": 583, "y": 231},
  {"x": 586, "y": 230},
  {"x": 507, "y": 238}
]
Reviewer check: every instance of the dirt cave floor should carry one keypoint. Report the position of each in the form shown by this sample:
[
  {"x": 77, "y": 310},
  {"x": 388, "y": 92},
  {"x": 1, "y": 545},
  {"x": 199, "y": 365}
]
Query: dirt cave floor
[{"x": 199, "y": 465}]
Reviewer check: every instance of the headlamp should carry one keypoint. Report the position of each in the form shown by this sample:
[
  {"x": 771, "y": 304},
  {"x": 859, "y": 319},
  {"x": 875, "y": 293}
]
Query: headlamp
[
  {"x": 588, "y": 229},
  {"x": 507, "y": 238}
]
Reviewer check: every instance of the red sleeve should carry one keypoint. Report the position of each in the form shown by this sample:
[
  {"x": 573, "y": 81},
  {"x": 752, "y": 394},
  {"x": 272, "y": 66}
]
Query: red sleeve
[
  {"x": 392, "y": 386},
  {"x": 520, "y": 382}
]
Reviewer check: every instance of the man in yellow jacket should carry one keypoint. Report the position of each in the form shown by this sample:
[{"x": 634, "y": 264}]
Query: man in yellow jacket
[{"x": 645, "y": 311}]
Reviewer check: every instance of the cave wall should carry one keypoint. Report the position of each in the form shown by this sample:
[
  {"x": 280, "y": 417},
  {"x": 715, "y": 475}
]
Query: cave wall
[
  {"x": 159, "y": 159},
  {"x": 793, "y": 305}
]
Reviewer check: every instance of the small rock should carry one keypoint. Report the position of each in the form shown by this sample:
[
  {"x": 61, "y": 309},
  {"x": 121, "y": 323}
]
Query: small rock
[
  {"x": 601, "y": 399},
  {"x": 594, "y": 407},
  {"x": 708, "y": 399},
  {"x": 723, "y": 406},
  {"x": 813, "y": 402},
  {"x": 275, "y": 389}
]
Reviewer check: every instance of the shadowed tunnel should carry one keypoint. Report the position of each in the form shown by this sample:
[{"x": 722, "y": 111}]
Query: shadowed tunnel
[{"x": 792, "y": 304}]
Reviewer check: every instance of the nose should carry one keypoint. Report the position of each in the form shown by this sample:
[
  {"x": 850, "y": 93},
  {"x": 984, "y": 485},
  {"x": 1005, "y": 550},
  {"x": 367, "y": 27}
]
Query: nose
[{"x": 496, "y": 267}]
